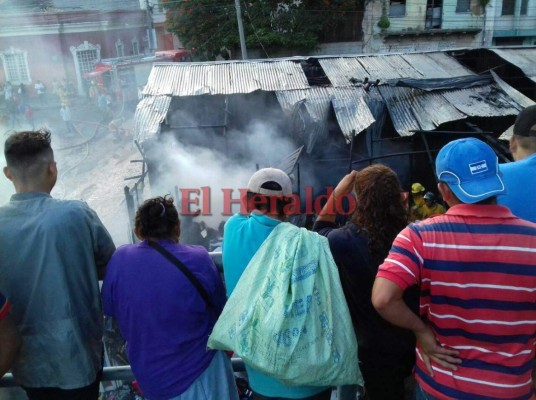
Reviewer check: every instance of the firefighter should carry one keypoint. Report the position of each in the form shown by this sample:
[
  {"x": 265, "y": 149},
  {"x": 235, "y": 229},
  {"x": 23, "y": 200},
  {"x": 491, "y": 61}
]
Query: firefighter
[
  {"x": 417, "y": 209},
  {"x": 432, "y": 207}
]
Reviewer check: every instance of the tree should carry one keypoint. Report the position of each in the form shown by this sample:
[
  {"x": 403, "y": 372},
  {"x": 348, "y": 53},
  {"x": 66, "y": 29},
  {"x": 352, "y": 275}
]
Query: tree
[{"x": 210, "y": 25}]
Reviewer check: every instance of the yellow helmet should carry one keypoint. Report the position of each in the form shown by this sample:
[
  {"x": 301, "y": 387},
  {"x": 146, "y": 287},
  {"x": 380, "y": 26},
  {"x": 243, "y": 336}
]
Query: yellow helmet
[{"x": 417, "y": 188}]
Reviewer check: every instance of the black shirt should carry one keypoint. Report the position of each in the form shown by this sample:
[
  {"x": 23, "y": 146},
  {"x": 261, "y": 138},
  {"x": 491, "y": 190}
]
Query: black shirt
[{"x": 384, "y": 349}]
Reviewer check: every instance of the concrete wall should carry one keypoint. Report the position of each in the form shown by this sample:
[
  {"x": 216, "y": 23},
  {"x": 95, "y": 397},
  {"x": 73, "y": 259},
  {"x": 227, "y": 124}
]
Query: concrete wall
[
  {"x": 411, "y": 30},
  {"x": 515, "y": 25}
]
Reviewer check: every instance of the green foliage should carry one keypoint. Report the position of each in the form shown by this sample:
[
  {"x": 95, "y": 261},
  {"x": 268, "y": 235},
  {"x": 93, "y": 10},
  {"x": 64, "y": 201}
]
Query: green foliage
[
  {"x": 384, "y": 22},
  {"x": 209, "y": 25}
]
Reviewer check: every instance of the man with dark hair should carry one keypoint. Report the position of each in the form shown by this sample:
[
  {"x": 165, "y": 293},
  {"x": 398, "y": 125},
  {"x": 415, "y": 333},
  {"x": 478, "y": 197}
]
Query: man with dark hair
[
  {"x": 520, "y": 176},
  {"x": 475, "y": 267},
  {"x": 53, "y": 252},
  {"x": 243, "y": 236}
]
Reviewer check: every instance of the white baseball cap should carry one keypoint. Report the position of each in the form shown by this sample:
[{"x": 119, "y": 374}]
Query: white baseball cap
[{"x": 270, "y": 182}]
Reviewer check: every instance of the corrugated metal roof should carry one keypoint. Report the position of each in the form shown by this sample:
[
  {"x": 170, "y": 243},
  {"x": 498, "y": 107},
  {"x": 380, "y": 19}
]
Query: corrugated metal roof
[
  {"x": 445, "y": 65},
  {"x": 427, "y": 65},
  {"x": 410, "y": 109},
  {"x": 484, "y": 101},
  {"x": 316, "y": 102},
  {"x": 351, "y": 111},
  {"x": 150, "y": 113},
  {"x": 415, "y": 109},
  {"x": 513, "y": 93},
  {"x": 340, "y": 70},
  {"x": 525, "y": 59},
  {"x": 186, "y": 79}
]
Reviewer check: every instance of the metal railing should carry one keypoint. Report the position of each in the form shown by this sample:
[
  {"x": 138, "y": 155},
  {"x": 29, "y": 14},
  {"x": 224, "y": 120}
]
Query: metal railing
[{"x": 122, "y": 373}]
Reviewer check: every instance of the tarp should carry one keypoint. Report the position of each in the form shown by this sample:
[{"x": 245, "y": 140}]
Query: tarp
[{"x": 461, "y": 82}]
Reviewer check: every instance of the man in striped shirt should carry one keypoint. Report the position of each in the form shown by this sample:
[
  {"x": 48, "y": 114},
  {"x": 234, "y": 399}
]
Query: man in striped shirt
[{"x": 476, "y": 268}]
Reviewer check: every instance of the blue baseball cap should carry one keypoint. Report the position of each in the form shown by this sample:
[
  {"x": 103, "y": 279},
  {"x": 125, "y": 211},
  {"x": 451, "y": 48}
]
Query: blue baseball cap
[{"x": 471, "y": 170}]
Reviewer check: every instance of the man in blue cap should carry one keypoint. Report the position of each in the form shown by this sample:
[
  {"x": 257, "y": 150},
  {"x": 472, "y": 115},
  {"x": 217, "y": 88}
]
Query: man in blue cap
[
  {"x": 520, "y": 176},
  {"x": 475, "y": 268}
]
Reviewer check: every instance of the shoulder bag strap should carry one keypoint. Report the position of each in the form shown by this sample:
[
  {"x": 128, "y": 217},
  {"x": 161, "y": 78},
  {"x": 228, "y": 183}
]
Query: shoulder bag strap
[{"x": 184, "y": 270}]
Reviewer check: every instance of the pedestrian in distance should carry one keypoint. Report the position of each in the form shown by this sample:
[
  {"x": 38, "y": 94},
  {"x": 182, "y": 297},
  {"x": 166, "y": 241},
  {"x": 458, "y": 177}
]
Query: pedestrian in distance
[
  {"x": 53, "y": 254},
  {"x": 386, "y": 352},
  {"x": 475, "y": 268},
  {"x": 166, "y": 297},
  {"x": 26, "y": 110},
  {"x": 40, "y": 89},
  {"x": 65, "y": 113},
  {"x": 520, "y": 176},
  {"x": 21, "y": 91}
]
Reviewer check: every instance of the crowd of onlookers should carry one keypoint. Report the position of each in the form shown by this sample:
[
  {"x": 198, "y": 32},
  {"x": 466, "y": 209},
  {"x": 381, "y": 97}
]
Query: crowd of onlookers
[{"x": 442, "y": 308}]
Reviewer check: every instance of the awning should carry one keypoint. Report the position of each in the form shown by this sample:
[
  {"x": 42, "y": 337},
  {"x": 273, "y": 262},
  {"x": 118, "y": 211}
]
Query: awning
[{"x": 99, "y": 69}]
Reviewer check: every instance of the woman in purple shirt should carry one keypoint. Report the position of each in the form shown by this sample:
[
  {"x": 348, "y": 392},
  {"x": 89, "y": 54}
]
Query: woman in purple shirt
[{"x": 164, "y": 318}]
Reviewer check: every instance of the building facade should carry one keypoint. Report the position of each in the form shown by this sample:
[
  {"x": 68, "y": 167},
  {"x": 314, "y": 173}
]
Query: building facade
[
  {"x": 429, "y": 25},
  {"x": 60, "y": 44},
  {"x": 514, "y": 22}
]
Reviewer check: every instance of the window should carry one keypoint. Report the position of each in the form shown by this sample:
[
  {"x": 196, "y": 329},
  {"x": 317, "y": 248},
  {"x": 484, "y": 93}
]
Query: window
[
  {"x": 463, "y": 6},
  {"x": 120, "y": 48},
  {"x": 135, "y": 46},
  {"x": 397, "y": 8},
  {"x": 16, "y": 66},
  {"x": 524, "y": 6},
  {"x": 508, "y": 7},
  {"x": 86, "y": 60},
  {"x": 85, "y": 56}
]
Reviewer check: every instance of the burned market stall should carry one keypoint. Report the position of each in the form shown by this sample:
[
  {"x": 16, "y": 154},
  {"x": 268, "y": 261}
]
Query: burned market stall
[
  {"x": 516, "y": 65},
  {"x": 317, "y": 118}
]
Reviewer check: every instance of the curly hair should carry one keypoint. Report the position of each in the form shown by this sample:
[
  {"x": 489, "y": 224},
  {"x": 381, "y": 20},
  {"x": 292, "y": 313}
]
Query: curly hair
[
  {"x": 156, "y": 218},
  {"x": 379, "y": 209}
]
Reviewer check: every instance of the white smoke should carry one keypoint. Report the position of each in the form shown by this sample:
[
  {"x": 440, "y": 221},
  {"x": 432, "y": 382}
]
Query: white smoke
[{"x": 192, "y": 166}]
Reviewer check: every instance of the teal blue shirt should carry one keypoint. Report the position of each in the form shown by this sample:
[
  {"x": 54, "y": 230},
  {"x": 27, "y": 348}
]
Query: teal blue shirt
[
  {"x": 49, "y": 254},
  {"x": 242, "y": 237}
]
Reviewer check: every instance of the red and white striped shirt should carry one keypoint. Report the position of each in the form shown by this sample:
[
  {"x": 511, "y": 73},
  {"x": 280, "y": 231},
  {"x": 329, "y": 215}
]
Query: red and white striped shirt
[{"x": 476, "y": 268}]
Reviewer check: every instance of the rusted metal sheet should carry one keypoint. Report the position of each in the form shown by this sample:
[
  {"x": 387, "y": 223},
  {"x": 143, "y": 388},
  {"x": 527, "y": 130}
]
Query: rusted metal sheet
[
  {"x": 523, "y": 58},
  {"x": 150, "y": 113},
  {"x": 190, "y": 79}
]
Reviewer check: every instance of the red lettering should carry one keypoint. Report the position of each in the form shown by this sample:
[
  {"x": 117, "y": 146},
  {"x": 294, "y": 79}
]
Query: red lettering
[
  {"x": 186, "y": 201},
  {"x": 293, "y": 207},
  {"x": 309, "y": 200},
  {"x": 228, "y": 201},
  {"x": 205, "y": 193},
  {"x": 351, "y": 204},
  {"x": 323, "y": 198}
]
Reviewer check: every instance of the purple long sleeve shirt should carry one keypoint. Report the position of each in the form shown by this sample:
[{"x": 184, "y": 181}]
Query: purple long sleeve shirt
[{"x": 163, "y": 318}]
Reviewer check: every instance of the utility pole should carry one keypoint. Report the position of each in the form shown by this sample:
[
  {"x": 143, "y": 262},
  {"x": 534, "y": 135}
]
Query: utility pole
[
  {"x": 151, "y": 34},
  {"x": 241, "y": 30}
]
